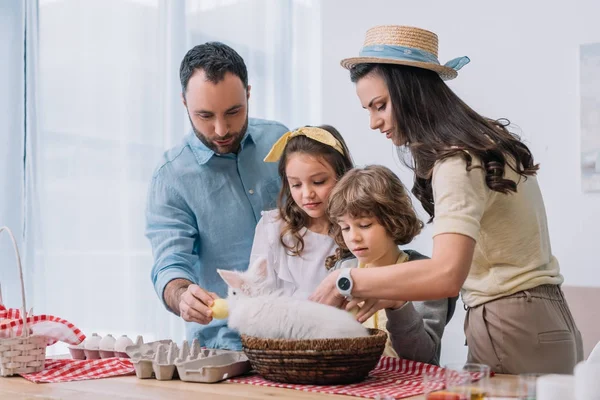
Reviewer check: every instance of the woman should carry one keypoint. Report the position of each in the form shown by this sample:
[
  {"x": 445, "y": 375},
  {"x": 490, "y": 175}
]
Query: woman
[{"x": 477, "y": 182}]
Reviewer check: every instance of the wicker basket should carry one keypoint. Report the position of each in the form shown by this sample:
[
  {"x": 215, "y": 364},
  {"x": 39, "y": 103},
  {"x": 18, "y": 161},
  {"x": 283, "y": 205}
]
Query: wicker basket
[
  {"x": 26, "y": 353},
  {"x": 315, "y": 362}
]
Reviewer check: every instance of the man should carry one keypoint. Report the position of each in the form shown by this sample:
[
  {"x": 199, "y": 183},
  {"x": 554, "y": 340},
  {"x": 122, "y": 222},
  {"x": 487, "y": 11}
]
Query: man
[{"x": 207, "y": 194}]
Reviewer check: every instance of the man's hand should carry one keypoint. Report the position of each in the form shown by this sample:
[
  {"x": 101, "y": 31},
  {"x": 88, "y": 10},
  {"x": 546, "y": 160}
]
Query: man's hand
[
  {"x": 195, "y": 304},
  {"x": 369, "y": 307},
  {"x": 327, "y": 293},
  {"x": 190, "y": 301}
]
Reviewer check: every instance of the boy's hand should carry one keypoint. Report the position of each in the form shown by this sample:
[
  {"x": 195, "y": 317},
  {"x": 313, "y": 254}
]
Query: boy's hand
[{"x": 369, "y": 307}]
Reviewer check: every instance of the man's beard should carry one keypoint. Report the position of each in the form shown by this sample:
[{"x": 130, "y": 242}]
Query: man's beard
[{"x": 232, "y": 148}]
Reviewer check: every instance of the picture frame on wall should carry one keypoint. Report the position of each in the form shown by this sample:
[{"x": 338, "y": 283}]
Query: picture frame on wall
[{"x": 589, "y": 92}]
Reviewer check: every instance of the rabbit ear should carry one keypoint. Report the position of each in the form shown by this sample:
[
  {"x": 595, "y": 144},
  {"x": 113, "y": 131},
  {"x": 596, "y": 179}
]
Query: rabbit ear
[
  {"x": 259, "y": 268},
  {"x": 233, "y": 279}
]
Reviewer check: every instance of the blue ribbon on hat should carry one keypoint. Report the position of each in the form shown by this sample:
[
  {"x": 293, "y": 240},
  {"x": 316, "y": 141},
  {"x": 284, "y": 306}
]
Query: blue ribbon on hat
[{"x": 410, "y": 54}]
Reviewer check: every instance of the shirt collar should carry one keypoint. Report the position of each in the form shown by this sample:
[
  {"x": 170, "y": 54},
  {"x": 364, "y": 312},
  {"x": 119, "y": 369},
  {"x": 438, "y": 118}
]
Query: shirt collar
[{"x": 203, "y": 153}]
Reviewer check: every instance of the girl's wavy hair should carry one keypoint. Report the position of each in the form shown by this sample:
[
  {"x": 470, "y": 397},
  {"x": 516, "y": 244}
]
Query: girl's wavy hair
[
  {"x": 294, "y": 218},
  {"x": 434, "y": 124},
  {"x": 372, "y": 192}
]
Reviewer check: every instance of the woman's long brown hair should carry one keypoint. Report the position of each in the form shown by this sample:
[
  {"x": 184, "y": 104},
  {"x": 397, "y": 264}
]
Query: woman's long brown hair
[{"x": 434, "y": 124}]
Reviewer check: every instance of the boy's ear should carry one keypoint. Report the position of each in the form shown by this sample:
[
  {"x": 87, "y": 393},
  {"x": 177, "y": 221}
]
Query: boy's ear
[{"x": 233, "y": 279}]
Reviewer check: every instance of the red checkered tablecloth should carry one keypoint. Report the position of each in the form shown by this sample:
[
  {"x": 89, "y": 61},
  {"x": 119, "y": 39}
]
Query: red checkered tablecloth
[
  {"x": 391, "y": 377},
  {"x": 78, "y": 370}
]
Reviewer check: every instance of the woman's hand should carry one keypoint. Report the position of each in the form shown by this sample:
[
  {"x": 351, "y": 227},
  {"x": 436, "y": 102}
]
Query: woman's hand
[
  {"x": 369, "y": 307},
  {"x": 327, "y": 293}
]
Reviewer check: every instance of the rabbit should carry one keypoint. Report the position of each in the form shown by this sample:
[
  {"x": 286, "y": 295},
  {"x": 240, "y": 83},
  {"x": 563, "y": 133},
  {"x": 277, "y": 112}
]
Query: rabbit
[{"x": 257, "y": 308}]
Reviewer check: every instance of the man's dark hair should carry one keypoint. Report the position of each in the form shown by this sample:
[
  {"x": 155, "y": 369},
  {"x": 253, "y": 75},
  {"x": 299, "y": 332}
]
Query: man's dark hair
[{"x": 216, "y": 59}]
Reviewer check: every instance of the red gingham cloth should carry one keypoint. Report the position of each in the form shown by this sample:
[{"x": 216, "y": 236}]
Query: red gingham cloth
[
  {"x": 53, "y": 328},
  {"x": 78, "y": 370},
  {"x": 9, "y": 313},
  {"x": 393, "y": 377}
]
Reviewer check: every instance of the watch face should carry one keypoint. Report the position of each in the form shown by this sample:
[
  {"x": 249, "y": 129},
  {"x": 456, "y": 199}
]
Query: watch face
[{"x": 344, "y": 283}]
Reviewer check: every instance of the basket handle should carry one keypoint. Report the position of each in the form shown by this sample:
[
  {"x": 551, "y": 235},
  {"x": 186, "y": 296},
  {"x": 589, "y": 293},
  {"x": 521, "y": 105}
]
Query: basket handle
[{"x": 25, "y": 332}]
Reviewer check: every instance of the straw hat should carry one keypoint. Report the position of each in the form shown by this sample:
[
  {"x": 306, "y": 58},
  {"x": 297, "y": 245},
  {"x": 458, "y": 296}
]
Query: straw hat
[{"x": 405, "y": 45}]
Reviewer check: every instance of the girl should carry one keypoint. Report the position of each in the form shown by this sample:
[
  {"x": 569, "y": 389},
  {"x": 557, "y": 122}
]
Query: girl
[
  {"x": 477, "y": 181},
  {"x": 294, "y": 237},
  {"x": 372, "y": 215}
]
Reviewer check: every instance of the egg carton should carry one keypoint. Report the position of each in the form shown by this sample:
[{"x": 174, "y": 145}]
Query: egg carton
[
  {"x": 164, "y": 360},
  {"x": 96, "y": 347}
]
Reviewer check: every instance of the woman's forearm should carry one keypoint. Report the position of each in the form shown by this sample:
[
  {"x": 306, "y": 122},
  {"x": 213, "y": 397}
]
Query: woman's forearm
[
  {"x": 414, "y": 281},
  {"x": 419, "y": 280},
  {"x": 440, "y": 277}
]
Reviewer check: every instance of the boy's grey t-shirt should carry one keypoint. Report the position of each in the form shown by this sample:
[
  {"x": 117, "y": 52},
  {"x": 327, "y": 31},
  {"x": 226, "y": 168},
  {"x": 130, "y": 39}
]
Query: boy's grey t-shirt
[{"x": 415, "y": 329}]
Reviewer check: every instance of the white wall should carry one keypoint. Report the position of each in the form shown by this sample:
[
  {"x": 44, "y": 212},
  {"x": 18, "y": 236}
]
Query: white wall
[{"x": 524, "y": 66}]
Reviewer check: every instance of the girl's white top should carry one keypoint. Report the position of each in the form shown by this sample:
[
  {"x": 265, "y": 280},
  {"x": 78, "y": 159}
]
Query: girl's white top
[{"x": 297, "y": 276}]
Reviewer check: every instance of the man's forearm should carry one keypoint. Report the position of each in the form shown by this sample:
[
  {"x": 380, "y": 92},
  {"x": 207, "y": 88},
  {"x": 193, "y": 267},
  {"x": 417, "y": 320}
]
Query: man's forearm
[{"x": 172, "y": 294}]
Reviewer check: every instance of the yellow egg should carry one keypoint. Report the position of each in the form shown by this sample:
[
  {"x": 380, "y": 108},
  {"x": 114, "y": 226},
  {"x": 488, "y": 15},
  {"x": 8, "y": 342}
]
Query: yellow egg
[
  {"x": 220, "y": 309},
  {"x": 354, "y": 310}
]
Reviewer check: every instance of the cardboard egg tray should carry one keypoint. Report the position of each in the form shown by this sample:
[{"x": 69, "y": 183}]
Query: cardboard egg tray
[{"x": 164, "y": 360}]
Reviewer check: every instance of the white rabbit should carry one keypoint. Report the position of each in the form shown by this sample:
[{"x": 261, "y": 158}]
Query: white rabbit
[{"x": 257, "y": 308}]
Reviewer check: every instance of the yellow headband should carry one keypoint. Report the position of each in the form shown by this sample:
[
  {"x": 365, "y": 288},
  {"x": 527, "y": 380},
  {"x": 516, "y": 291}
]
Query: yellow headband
[{"x": 318, "y": 134}]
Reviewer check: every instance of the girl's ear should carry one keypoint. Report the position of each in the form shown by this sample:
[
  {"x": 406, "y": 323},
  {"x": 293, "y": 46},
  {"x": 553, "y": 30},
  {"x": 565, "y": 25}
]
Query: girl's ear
[{"x": 233, "y": 279}]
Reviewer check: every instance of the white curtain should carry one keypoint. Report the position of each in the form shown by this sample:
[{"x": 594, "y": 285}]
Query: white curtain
[
  {"x": 12, "y": 141},
  {"x": 108, "y": 104}
]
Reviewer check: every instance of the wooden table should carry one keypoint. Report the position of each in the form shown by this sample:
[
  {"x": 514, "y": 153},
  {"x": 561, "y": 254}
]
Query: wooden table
[{"x": 130, "y": 387}]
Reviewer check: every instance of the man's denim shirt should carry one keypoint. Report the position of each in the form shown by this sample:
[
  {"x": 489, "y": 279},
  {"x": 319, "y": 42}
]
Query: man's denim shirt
[{"x": 201, "y": 214}]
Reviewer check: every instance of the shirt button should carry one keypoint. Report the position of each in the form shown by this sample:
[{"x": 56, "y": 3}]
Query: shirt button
[{"x": 251, "y": 191}]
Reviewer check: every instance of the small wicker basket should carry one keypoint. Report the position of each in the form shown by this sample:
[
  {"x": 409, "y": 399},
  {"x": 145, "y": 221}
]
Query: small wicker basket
[
  {"x": 317, "y": 361},
  {"x": 26, "y": 353}
]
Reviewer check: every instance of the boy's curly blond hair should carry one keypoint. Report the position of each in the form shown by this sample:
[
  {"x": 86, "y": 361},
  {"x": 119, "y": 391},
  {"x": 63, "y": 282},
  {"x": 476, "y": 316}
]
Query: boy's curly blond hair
[{"x": 373, "y": 191}]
